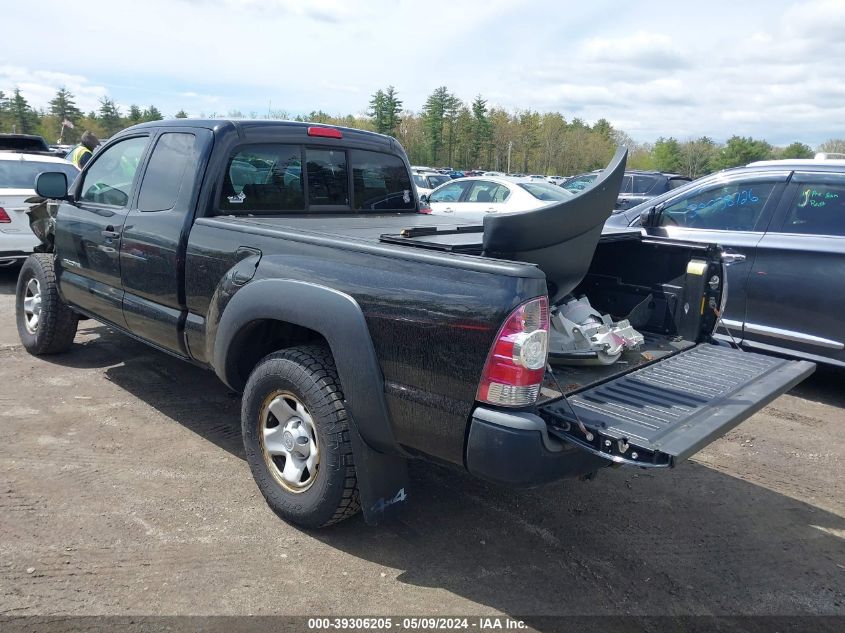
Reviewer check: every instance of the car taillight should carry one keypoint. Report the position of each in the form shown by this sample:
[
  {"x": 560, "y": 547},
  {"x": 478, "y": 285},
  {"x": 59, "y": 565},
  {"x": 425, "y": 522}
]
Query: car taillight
[
  {"x": 516, "y": 364},
  {"x": 5, "y": 219},
  {"x": 424, "y": 208}
]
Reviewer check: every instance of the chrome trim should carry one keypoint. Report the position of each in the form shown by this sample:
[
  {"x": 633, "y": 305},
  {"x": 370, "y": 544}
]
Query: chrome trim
[{"x": 790, "y": 335}]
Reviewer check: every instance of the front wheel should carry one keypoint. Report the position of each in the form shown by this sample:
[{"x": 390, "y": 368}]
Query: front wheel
[
  {"x": 296, "y": 437},
  {"x": 46, "y": 325}
]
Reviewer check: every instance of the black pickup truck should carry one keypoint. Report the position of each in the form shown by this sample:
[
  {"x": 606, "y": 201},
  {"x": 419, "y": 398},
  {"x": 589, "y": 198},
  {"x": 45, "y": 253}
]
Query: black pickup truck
[{"x": 295, "y": 261}]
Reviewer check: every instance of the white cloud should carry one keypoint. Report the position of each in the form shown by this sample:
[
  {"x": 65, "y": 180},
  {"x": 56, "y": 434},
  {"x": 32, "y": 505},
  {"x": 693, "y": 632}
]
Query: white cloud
[{"x": 768, "y": 69}]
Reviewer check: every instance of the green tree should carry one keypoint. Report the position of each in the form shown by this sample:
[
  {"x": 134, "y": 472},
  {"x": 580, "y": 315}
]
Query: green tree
[
  {"x": 796, "y": 150},
  {"x": 667, "y": 155},
  {"x": 741, "y": 150},
  {"x": 392, "y": 111},
  {"x": 377, "y": 110},
  {"x": 109, "y": 117},
  {"x": 434, "y": 114},
  {"x": 151, "y": 114},
  {"x": 181, "y": 115},
  {"x": 482, "y": 131},
  {"x": 22, "y": 117},
  {"x": 63, "y": 108},
  {"x": 135, "y": 115},
  {"x": 528, "y": 136}
]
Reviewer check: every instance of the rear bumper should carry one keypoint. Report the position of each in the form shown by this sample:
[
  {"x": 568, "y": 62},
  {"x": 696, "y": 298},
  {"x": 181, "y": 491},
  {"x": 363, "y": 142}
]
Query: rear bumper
[{"x": 515, "y": 449}]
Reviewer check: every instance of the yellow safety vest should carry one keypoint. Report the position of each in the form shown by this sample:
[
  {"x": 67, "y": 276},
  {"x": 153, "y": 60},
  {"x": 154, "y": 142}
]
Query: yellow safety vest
[{"x": 76, "y": 155}]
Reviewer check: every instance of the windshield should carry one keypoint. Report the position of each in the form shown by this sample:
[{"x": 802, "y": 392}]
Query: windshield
[
  {"x": 419, "y": 181},
  {"x": 546, "y": 192},
  {"x": 20, "y": 174}
]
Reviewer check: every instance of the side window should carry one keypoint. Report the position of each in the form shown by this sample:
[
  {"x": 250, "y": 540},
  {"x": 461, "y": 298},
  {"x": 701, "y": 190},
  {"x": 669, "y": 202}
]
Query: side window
[
  {"x": 380, "y": 182},
  {"x": 263, "y": 178},
  {"x": 627, "y": 184},
  {"x": 109, "y": 178},
  {"x": 643, "y": 184},
  {"x": 733, "y": 207},
  {"x": 501, "y": 193},
  {"x": 483, "y": 191},
  {"x": 448, "y": 193},
  {"x": 818, "y": 209},
  {"x": 166, "y": 171},
  {"x": 328, "y": 179}
]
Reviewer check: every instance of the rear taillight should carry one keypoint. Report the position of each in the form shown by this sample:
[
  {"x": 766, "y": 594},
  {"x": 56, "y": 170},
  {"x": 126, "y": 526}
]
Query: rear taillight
[
  {"x": 424, "y": 208},
  {"x": 4, "y": 217},
  {"x": 516, "y": 364}
]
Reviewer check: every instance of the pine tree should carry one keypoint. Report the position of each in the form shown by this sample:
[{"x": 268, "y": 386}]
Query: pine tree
[
  {"x": 151, "y": 114},
  {"x": 392, "y": 109},
  {"x": 376, "y": 110},
  {"x": 63, "y": 108},
  {"x": 23, "y": 118},
  {"x": 433, "y": 113},
  {"x": 110, "y": 118},
  {"x": 482, "y": 130},
  {"x": 135, "y": 114},
  {"x": 181, "y": 115}
]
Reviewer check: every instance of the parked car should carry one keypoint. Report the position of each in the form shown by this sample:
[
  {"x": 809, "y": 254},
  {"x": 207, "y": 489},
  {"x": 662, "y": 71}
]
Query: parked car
[
  {"x": 782, "y": 224},
  {"x": 363, "y": 333},
  {"x": 17, "y": 179},
  {"x": 577, "y": 184},
  {"x": 29, "y": 143},
  {"x": 473, "y": 198},
  {"x": 637, "y": 186},
  {"x": 426, "y": 182},
  {"x": 555, "y": 180}
]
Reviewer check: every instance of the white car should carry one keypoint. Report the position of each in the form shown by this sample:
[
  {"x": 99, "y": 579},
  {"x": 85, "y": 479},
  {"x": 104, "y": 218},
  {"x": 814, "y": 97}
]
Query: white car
[
  {"x": 17, "y": 183},
  {"x": 426, "y": 182},
  {"x": 475, "y": 197},
  {"x": 555, "y": 180}
]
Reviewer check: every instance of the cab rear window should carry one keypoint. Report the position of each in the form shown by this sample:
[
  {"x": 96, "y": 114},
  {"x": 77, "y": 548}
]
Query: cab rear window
[{"x": 281, "y": 178}]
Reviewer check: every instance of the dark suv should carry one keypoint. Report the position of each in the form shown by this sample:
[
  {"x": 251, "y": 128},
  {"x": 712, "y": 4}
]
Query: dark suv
[
  {"x": 637, "y": 186},
  {"x": 782, "y": 224}
]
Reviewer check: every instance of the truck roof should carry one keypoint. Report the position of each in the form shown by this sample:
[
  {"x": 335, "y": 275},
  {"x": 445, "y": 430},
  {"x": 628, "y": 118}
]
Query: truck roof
[{"x": 272, "y": 128}]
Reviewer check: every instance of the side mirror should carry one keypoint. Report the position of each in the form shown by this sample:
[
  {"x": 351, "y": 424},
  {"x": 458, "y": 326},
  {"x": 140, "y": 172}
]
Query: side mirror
[
  {"x": 424, "y": 199},
  {"x": 51, "y": 184},
  {"x": 650, "y": 216}
]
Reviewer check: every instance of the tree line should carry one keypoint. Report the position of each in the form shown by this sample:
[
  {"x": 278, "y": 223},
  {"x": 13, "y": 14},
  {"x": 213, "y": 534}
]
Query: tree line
[{"x": 446, "y": 132}]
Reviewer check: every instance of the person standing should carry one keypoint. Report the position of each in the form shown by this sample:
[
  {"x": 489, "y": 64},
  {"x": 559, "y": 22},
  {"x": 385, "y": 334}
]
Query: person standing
[{"x": 82, "y": 153}]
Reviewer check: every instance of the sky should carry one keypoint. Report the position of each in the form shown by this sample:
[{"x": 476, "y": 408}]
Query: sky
[{"x": 771, "y": 69}]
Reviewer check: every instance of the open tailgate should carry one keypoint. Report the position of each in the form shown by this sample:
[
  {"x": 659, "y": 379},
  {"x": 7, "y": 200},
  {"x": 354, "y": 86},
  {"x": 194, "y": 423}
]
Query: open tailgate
[{"x": 662, "y": 413}]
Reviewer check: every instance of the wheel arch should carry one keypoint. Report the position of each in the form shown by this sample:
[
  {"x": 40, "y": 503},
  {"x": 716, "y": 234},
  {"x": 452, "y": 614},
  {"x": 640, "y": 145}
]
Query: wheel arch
[{"x": 292, "y": 313}]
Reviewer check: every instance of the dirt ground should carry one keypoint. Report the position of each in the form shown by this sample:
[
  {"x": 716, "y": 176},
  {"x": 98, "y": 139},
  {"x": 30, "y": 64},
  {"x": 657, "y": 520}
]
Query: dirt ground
[{"x": 123, "y": 490}]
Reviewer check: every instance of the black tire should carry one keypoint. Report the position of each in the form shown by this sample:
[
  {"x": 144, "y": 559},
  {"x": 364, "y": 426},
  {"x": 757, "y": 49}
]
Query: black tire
[
  {"x": 308, "y": 373},
  {"x": 57, "y": 323}
]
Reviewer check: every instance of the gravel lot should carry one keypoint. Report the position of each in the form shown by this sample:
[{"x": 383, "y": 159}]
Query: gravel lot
[{"x": 123, "y": 490}]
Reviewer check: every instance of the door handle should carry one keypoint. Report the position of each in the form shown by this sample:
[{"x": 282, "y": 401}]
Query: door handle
[
  {"x": 732, "y": 258},
  {"x": 110, "y": 232}
]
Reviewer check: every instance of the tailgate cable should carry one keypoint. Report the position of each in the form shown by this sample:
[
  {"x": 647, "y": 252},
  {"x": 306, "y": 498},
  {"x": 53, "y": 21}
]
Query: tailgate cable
[
  {"x": 589, "y": 436},
  {"x": 720, "y": 321}
]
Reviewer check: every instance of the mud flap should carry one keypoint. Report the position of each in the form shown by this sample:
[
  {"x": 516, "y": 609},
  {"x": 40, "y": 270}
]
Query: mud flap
[
  {"x": 382, "y": 480},
  {"x": 665, "y": 412}
]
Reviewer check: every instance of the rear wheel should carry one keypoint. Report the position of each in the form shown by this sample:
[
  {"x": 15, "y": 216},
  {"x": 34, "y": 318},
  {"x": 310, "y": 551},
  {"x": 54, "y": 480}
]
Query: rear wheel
[
  {"x": 46, "y": 325},
  {"x": 296, "y": 437}
]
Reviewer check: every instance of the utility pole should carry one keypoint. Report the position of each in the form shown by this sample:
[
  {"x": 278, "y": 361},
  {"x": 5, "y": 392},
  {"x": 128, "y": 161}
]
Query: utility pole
[{"x": 510, "y": 147}]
